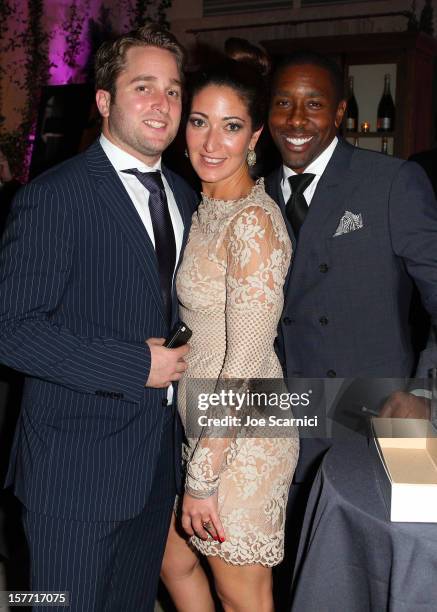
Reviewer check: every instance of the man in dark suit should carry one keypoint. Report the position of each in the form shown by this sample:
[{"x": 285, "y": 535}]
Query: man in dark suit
[
  {"x": 363, "y": 227},
  {"x": 86, "y": 298}
]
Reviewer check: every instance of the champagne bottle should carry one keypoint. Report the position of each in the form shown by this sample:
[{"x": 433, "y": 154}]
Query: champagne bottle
[
  {"x": 386, "y": 109},
  {"x": 352, "y": 109}
]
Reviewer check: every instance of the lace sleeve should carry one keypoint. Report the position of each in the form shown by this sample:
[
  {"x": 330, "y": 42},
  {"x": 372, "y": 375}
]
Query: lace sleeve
[{"x": 258, "y": 256}]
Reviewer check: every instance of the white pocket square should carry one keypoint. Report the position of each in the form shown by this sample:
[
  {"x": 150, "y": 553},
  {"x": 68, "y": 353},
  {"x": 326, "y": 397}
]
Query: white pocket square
[{"x": 349, "y": 223}]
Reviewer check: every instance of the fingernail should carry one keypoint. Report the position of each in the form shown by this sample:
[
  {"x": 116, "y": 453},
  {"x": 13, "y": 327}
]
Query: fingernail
[{"x": 221, "y": 540}]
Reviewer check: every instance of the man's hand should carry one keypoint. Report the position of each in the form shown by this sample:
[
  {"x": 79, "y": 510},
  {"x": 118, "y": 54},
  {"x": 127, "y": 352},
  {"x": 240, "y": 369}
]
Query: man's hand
[
  {"x": 200, "y": 517},
  {"x": 167, "y": 365},
  {"x": 404, "y": 405}
]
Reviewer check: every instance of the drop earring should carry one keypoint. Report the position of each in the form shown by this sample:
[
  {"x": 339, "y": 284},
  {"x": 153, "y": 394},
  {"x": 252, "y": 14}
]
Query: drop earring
[{"x": 251, "y": 157}]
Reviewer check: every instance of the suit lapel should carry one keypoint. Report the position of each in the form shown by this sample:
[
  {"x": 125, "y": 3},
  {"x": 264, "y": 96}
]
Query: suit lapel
[
  {"x": 273, "y": 187},
  {"x": 329, "y": 196},
  {"x": 115, "y": 197},
  {"x": 327, "y": 206},
  {"x": 185, "y": 209},
  {"x": 183, "y": 205}
]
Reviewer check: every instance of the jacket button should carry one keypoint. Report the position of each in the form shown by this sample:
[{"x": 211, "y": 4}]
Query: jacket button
[
  {"x": 164, "y": 401},
  {"x": 323, "y": 321},
  {"x": 331, "y": 374},
  {"x": 323, "y": 267},
  {"x": 287, "y": 320}
]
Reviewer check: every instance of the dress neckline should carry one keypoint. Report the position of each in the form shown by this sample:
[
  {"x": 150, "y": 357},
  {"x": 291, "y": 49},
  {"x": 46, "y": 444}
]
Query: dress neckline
[
  {"x": 259, "y": 183},
  {"x": 212, "y": 212}
]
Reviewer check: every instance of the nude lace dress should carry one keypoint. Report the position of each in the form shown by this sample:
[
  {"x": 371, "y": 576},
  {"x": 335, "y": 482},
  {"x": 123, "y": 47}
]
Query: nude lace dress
[{"x": 230, "y": 287}]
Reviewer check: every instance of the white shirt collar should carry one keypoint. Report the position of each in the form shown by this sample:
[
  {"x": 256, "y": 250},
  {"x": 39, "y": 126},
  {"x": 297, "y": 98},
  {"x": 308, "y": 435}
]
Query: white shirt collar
[
  {"x": 318, "y": 165},
  {"x": 121, "y": 160}
]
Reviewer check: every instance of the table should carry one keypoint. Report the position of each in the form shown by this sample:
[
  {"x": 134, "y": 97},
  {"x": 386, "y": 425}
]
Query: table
[{"x": 351, "y": 558}]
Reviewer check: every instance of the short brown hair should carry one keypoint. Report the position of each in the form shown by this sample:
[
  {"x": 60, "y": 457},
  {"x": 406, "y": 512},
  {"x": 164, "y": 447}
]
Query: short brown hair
[{"x": 111, "y": 56}]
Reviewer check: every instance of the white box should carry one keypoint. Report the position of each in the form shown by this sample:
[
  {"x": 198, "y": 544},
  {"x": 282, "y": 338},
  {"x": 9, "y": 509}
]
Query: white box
[{"x": 407, "y": 452}]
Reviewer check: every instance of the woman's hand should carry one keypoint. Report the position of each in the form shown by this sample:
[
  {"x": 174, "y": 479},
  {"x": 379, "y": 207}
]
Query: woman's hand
[{"x": 200, "y": 517}]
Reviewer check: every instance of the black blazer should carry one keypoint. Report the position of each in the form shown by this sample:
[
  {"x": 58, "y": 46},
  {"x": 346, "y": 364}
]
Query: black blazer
[
  {"x": 79, "y": 295},
  {"x": 347, "y": 297}
]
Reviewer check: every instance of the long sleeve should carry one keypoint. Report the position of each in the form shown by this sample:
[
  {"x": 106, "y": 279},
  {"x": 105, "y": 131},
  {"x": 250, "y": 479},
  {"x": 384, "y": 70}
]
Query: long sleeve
[
  {"x": 36, "y": 263},
  {"x": 257, "y": 253}
]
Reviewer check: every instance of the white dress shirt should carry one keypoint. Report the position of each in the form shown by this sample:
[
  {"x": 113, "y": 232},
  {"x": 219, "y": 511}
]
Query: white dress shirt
[
  {"x": 317, "y": 167},
  {"x": 139, "y": 194},
  {"x": 121, "y": 160}
]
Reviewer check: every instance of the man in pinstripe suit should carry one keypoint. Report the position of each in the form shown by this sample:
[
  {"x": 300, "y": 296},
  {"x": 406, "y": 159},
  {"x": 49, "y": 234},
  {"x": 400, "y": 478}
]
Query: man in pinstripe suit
[{"x": 83, "y": 313}]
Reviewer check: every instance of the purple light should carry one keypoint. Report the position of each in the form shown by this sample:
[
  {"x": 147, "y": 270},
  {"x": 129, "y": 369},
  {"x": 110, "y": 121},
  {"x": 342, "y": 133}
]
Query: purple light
[{"x": 60, "y": 72}]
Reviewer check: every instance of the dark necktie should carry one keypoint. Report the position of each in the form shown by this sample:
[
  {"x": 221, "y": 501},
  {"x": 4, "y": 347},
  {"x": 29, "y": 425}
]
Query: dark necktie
[
  {"x": 297, "y": 207},
  {"x": 165, "y": 245}
]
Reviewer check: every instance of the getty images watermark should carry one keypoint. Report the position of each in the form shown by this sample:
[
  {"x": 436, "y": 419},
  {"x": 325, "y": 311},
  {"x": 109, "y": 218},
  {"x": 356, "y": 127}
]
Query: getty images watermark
[
  {"x": 318, "y": 407},
  {"x": 240, "y": 401},
  {"x": 257, "y": 408}
]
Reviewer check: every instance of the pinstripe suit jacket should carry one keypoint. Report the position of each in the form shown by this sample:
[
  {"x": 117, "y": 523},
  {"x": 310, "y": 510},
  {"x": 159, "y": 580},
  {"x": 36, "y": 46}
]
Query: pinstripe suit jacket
[{"x": 79, "y": 295}]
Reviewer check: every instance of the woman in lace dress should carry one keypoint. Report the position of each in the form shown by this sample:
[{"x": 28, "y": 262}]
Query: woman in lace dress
[{"x": 230, "y": 287}]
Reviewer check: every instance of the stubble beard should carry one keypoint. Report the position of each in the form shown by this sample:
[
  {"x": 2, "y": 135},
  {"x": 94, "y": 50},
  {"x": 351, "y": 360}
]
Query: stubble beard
[{"x": 125, "y": 135}]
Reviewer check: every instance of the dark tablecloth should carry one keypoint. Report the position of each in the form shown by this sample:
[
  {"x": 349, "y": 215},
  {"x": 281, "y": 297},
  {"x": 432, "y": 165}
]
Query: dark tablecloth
[{"x": 351, "y": 558}]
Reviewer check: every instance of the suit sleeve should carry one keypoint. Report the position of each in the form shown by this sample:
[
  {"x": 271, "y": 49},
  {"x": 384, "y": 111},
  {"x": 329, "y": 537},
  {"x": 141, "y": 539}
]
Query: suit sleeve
[
  {"x": 413, "y": 226},
  {"x": 36, "y": 259}
]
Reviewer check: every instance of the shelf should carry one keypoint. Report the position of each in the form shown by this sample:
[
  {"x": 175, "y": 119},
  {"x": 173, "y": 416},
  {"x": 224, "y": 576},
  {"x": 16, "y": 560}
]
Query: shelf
[{"x": 368, "y": 134}]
